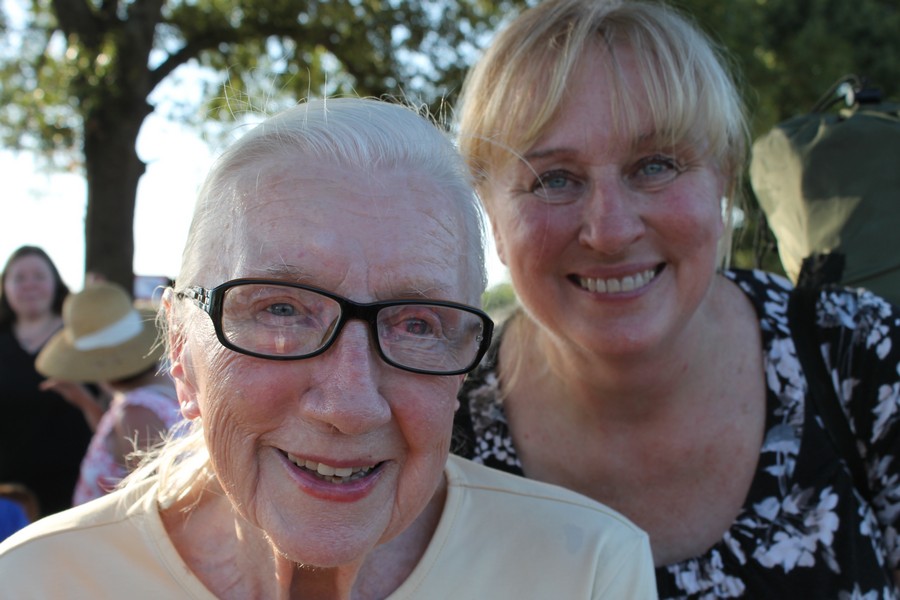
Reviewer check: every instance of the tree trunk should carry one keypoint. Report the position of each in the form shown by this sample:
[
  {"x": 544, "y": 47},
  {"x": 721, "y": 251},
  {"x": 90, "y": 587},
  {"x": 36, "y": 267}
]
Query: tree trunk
[
  {"x": 112, "y": 170},
  {"x": 112, "y": 97}
]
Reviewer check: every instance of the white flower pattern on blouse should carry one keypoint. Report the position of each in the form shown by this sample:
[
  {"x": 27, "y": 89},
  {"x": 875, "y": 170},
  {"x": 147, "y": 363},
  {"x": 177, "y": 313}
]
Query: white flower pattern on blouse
[{"x": 804, "y": 530}]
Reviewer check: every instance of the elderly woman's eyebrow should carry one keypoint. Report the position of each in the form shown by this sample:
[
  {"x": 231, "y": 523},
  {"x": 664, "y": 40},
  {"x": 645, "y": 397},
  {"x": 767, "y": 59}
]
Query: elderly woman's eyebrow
[
  {"x": 287, "y": 272},
  {"x": 425, "y": 288},
  {"x": 419, "y": 283},
  {"x": 415, "y": 291}
]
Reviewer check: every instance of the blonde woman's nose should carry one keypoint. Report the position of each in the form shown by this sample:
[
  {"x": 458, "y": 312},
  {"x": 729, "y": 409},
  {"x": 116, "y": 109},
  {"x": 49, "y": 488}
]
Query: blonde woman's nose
[{"x": 610, "y": 220}]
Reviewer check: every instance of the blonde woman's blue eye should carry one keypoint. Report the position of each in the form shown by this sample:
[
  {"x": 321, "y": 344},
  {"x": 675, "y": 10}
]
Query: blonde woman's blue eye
[
  {"x": 557, "y": 187},
  {"x": 656, "y": 169},
  {"x": 552, "y": 181}
]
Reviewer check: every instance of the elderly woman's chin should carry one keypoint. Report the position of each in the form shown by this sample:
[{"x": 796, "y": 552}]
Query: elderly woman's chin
[
  {"x": 327, "y": 547},
  {"x": 324, "y": 532}
]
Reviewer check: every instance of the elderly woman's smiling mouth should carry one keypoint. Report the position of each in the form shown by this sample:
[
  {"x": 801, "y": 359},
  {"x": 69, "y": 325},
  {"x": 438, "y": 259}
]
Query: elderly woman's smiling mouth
[{"x": 330, "y": 473}]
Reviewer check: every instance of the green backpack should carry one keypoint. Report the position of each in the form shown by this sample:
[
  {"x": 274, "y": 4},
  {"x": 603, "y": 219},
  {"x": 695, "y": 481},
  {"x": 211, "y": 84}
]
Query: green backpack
[{"x": 829, "y": 185}]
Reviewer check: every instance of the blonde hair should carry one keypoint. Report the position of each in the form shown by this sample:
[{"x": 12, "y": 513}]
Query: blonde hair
[{"x": 515, "y": 91}]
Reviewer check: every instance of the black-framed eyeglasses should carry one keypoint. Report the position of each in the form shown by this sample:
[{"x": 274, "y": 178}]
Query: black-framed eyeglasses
[{"x": 292, "y": 321}]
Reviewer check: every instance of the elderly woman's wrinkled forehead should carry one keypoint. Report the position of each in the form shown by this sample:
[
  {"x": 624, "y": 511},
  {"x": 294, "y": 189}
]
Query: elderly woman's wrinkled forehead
[
  {"x": 289, "y": 179},
  {"x": 248, "y": 217}
]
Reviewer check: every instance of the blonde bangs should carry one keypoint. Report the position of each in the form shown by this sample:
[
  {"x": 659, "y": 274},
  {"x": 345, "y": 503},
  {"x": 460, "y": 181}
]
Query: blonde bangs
[
  {"x": 515, "y": 91},
  {"x": 691, "y": 100}
]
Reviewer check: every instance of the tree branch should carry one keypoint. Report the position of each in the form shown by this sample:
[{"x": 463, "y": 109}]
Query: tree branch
[{"x": 75, "y": 17}]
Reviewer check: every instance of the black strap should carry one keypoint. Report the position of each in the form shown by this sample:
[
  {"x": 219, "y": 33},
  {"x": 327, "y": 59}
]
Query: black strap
[
  {"x": 801, "y": 314},
  {"x": 821, "y": 269}
]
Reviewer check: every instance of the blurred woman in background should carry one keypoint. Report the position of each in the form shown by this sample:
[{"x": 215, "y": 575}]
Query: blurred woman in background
[
  {"x": 108, "y": 342},
  {"x": 42, "y": 436}
]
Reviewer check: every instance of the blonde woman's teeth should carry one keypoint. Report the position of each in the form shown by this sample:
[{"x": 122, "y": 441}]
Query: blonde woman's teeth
[
  {"x": 330, "y": 473},
  {"x": 613, "y": 285}
]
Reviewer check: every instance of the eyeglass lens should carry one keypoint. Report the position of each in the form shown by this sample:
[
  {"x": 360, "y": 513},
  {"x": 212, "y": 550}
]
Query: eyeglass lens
[{"x": 285, "y": 321}]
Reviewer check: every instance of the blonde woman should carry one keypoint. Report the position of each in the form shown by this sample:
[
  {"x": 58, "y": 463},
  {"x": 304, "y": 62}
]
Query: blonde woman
[{"x": 607, "y": 140}]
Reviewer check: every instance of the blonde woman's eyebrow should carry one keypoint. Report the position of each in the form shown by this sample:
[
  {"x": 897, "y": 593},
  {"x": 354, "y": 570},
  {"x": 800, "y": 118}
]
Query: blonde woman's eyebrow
[{"x": 547, "y": 153}]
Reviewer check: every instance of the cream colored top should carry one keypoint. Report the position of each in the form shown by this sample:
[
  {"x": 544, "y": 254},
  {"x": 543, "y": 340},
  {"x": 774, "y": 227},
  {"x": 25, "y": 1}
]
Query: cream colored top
[{"x": 500, "y": 537}]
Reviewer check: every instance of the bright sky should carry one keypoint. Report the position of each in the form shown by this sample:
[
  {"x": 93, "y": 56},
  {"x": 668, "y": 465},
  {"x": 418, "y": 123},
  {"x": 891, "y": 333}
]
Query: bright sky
[{"x": 48, "y": 210}]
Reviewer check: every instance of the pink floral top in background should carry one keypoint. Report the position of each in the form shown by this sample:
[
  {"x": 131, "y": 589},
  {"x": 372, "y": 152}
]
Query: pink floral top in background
[{"x": 100, "y": 471}]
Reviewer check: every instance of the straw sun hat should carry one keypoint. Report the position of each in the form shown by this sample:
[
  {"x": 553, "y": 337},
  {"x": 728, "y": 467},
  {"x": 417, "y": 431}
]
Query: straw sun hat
[{"x": 104, "y": 338}]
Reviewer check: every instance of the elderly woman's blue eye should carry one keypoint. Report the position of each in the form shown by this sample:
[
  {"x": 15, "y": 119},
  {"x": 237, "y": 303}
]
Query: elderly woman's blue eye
[
  {"x": 418, "y": 327},
  {"x": 282, "y": 310}
]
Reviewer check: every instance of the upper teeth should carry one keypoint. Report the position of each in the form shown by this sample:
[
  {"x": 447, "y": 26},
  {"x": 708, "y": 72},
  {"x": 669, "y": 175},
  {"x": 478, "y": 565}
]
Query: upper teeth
[
  {"x": 613, "y": 285},
  {"x": 328, "y": 470}
]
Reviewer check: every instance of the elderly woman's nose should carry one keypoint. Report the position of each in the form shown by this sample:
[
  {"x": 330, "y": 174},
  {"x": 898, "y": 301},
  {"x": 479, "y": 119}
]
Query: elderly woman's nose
[
  {"x": 347, "y": 395},
  {"x": 610, "y": 219}
]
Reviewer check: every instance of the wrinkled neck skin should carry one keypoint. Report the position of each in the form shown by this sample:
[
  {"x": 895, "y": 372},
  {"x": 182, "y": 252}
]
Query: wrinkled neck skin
[{"x": 236, "y": 560}]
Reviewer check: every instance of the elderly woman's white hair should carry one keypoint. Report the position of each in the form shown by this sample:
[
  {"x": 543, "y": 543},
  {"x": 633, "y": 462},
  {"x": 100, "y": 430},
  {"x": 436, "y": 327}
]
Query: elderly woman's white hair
[{"x": 359, "y": 134}]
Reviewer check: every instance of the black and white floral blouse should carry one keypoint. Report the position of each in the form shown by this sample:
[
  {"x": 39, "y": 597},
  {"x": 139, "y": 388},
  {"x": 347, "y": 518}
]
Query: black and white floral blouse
[{"x": 804, "y": 531}]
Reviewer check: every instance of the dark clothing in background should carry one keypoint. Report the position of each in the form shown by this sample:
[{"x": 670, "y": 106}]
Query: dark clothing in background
[{"x": 42, "y": 437}]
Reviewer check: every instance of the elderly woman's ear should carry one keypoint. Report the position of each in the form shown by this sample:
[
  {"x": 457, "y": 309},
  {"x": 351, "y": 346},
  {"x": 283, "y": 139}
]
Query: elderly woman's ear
[{"x": 179, "y": 360}]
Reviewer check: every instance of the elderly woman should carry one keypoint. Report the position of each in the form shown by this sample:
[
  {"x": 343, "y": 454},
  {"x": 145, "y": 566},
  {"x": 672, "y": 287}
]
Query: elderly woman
[
  {"x": 604, "y": 136},
  {"x": 318, "y": 332}
]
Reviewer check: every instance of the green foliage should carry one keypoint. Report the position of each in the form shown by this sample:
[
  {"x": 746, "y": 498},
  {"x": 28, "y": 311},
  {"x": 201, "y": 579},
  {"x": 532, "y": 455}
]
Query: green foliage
[
  {"x": 71, "y": 57},
  {"x": 77, "y": 76},
  {"x": 787, "y": 53},
  {"x": 73, "y": 69},
  {"x": 499, "y": 300}
]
